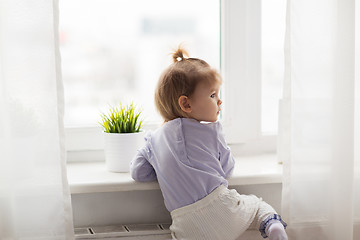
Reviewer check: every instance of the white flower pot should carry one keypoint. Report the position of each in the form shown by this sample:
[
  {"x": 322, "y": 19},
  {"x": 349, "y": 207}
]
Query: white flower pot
[{"x": 120, "y": 149}]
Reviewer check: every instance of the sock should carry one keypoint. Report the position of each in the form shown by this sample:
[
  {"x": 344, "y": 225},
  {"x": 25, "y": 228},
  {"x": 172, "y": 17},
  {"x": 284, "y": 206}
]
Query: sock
[{"x": 275, "y": 231}]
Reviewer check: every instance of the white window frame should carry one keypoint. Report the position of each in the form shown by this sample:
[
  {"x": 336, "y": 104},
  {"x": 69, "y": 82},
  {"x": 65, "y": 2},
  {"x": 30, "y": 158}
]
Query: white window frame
[{"x": 241, "y": 70}]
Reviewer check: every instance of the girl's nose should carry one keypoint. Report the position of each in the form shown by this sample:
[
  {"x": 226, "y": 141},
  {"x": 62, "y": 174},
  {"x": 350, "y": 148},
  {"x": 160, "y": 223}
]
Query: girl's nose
[{"x": 219, "y": 102}]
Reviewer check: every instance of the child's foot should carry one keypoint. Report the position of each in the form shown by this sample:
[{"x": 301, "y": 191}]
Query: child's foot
[{"x": 276, "y": 231}]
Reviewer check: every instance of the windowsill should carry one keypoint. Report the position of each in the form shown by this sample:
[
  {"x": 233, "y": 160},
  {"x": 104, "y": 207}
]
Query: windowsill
[{"x": 92, "y": 177}]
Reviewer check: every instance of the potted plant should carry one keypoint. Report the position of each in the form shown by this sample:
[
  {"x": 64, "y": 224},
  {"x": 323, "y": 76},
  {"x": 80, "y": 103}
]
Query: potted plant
[{"x": 123, "y": 135}]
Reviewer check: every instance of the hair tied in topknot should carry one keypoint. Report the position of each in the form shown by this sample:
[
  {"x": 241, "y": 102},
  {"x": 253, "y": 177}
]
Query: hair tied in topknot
[{"x": 178, "y": 55}]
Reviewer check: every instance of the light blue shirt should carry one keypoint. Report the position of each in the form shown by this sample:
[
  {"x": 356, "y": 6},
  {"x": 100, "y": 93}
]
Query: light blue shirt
[{"x": 188, "y": 158}]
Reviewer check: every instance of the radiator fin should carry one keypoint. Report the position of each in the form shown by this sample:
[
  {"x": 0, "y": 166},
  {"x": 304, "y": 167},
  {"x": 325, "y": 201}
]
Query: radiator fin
[{"x": 129, "y": 231}]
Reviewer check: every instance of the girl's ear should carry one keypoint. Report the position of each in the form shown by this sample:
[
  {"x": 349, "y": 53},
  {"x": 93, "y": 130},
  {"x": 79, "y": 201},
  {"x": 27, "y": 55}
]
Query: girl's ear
[{"x": 184, "y": 103}]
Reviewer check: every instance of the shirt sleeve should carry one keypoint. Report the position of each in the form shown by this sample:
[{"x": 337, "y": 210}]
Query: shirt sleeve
[
  {"x": 226, "y": 159},
  {"x": 141, "y": 170}
]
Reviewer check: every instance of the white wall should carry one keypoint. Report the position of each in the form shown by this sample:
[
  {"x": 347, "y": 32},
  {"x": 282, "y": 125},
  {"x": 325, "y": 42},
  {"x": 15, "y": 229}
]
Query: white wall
[{"x": 96, "y": 209}]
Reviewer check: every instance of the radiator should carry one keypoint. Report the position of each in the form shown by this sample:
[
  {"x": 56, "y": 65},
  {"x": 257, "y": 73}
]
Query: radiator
[
  {"x": 140, "y": 232},
  {"x": 125, "y": 232}
]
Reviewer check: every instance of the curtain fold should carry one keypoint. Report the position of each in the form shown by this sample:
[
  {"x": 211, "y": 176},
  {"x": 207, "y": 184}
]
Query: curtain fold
[
  {"x": 319, "y": 131},
  {"x": 35, "y": 198}
]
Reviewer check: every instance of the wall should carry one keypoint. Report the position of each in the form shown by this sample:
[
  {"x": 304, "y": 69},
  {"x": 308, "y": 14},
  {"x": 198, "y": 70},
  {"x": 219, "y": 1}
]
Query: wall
[{"x": 97, "y": 209}]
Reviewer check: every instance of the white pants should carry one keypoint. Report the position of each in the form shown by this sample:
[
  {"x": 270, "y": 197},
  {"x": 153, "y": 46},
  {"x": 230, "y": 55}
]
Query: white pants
[{"x": 222, "y": 215}]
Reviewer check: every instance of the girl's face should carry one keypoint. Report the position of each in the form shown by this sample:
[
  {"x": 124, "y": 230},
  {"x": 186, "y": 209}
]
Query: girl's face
[{"x": 205, "y": 102}]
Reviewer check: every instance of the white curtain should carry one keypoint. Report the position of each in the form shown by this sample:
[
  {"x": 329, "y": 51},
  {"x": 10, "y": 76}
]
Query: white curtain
[
  {"x": 34, "y": 193},
  {"x": 319, "y": 130}
]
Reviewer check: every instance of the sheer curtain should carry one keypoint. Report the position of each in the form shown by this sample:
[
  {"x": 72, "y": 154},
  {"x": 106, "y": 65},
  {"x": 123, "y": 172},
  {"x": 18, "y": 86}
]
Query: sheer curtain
[
  {"x": 34, "y": 193},
  {"x": 319, "y": 138}
]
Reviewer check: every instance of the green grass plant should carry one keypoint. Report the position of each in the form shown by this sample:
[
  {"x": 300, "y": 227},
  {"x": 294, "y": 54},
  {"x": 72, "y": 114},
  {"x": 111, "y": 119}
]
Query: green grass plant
[{"x": 122, "y": 119}]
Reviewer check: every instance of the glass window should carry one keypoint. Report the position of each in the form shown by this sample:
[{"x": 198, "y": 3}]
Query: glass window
[{"x": 115, "y": 50}]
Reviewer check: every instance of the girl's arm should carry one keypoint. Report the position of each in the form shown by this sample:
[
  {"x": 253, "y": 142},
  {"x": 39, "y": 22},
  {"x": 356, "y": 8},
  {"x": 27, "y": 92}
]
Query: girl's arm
[
  {"x": 226, "y": 159},
  {"x": 141, "y": 170}
]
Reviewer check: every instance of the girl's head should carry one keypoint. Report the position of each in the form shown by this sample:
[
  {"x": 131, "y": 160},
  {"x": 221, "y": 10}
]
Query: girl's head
[{"x": 188, "y": 88}]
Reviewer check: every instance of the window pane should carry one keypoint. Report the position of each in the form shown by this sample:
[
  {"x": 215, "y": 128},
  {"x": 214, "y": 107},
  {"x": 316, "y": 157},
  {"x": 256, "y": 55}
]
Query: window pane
[
  {"x": 115, "y": 50},
  {"x": 273, "y": 36}
]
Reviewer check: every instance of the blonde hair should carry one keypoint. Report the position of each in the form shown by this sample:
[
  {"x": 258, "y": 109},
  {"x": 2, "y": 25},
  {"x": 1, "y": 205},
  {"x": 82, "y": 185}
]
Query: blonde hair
[{"x": 181, "y": 79}]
